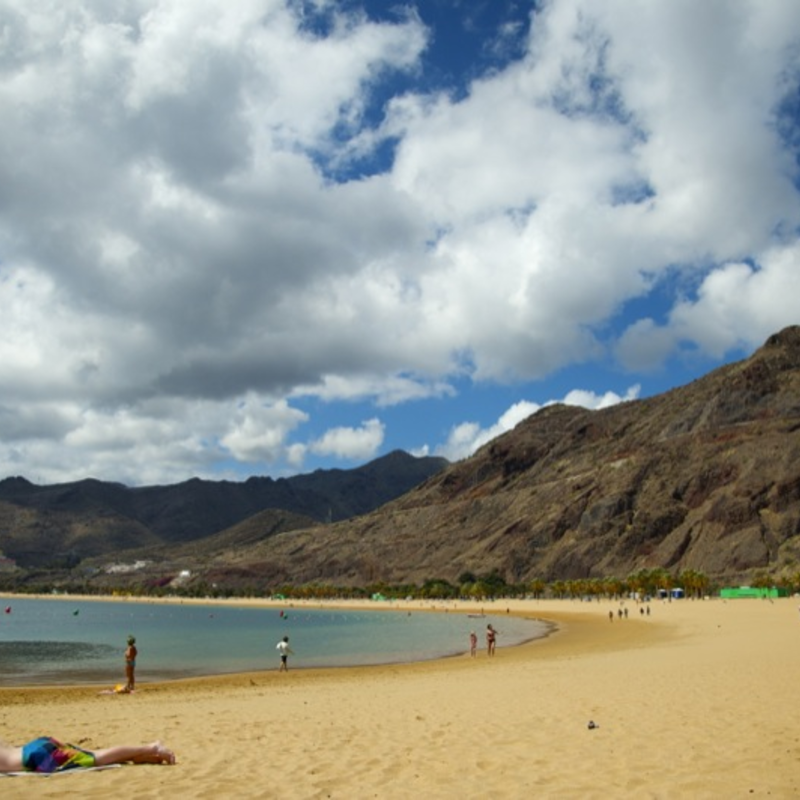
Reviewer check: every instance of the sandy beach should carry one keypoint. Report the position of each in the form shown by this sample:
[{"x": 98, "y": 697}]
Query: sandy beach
[{"x": 698, "y": 700}]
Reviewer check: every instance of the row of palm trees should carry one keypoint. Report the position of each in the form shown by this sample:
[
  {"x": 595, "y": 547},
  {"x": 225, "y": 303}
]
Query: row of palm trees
[{"x": 645, "y": 583}]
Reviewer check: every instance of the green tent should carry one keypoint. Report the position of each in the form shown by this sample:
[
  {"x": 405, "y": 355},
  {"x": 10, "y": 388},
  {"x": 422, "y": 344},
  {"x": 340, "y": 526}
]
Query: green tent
[{"x": 731, "y": 592}]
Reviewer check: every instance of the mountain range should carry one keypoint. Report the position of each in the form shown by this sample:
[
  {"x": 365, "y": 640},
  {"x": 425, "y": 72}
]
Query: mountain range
[
  {"x": 704, "y": 477},
  {"x": 42, "y": 526}
]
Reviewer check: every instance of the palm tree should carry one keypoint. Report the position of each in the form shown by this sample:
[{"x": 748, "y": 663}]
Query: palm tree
[
  {"x": 761, "y": 579},
  {"x": 536, "y": 587},
  {"x": 614, "y": 587},
  {"x": 558, "y": 588}
]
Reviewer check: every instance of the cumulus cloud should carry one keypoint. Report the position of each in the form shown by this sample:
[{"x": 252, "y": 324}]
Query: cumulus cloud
[
  {"x": 258, "y": 431},
  {"x": 361, "y": 443},
  {"x": 737, "y": 304},
  {"x": 213, "y": 215}
]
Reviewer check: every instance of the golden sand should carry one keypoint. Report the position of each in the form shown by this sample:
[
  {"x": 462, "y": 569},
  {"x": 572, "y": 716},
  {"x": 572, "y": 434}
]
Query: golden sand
[{"x": 699, "y": 700}]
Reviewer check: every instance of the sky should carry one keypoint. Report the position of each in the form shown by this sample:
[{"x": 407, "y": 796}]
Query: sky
[{"x": 265, "y": 237}]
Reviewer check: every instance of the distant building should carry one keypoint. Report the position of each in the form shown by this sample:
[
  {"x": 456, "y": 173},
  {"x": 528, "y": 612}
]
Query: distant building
[{"x": 117, "y": 569}]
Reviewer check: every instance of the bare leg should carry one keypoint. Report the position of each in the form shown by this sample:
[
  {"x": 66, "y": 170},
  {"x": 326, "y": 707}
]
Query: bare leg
[
  {"x": 154, "y": 753},
  {"x": 10, "y": 758}
]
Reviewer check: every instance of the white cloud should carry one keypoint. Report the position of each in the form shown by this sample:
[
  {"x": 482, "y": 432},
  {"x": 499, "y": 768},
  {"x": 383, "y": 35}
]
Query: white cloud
[
  {"x": 736, "y": 305},
  {"x": 587, "y": 399},
  {"x": 258, "y": 431},
  {"x": 343, "y": 442},
  {"x": 523, "y": 174},
  {"x": 197, "y": 211},
  {"x": 384, "y": 390}
]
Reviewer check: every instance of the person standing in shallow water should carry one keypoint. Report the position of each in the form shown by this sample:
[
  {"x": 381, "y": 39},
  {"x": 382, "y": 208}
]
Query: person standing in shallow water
[
  {"x": 473, "y": 643},
  {"x": 285, "y": 651},
  {"x": 491, "y": 639},
  {"x": 130, "y": 664}
]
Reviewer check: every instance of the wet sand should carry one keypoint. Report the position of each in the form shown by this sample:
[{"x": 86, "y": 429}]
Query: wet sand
[{"x": 698, "y": 700}]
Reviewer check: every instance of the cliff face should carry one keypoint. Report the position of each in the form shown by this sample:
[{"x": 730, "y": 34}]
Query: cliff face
[{"x": 704, "y": 477}]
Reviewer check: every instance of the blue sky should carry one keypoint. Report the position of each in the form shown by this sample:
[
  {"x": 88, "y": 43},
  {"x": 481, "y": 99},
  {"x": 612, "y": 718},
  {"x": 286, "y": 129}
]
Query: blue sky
[{"x": 263, "y": 237}]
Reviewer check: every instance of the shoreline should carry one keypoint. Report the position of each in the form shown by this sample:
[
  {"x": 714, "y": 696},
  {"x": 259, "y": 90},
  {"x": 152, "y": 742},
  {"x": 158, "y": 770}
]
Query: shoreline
[
  {"x": 697, "y": 701},
  {"x": 459, "y": 607},
  {"x": 562, "y": 616}
]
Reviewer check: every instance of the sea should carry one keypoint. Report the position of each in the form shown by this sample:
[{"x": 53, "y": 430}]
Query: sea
[{"x": 60, "y": 641}]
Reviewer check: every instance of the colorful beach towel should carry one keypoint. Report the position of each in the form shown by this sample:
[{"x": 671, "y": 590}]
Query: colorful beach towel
[{"x": 73, "y": 771}]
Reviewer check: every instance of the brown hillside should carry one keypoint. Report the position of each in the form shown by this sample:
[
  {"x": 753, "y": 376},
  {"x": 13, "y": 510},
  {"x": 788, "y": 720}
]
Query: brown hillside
[{"x": 704, "y": 477}]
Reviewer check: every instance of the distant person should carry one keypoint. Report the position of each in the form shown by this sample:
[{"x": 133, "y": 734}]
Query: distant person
[
  {"x": 491, "y": 640},
  {"x": 46, "y": 754},
  {"x": 285, "y": 651},
  {"x": 130, "y": 664},
  {"x": 473, "y": 643},
  {"x": 610, "y": 616}
]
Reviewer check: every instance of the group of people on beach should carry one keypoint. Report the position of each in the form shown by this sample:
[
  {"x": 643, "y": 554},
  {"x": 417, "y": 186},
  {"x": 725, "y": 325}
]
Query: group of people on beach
[
  {"x": 285, "y": 651},
  {"x": 491, "y": 645},
  {"x": 491, "y": 641},
  {"x": 623, "y": 612}
]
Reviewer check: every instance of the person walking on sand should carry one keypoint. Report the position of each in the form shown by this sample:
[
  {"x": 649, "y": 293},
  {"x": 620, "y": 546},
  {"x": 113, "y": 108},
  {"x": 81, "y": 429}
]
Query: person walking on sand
[
  {"x": 473, "y": 643},
  {"x": 285, "y": 651},
  {"x": 130, "y": 664},
  {"x": 491, "y": 639}
]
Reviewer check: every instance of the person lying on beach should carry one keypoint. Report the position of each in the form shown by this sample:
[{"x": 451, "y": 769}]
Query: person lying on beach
[{"x": 46, "y": 754}]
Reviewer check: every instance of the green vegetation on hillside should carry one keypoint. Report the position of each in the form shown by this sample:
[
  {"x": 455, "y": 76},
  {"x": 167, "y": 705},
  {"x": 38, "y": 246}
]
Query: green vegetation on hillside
[{"x": 482, "y": 587}]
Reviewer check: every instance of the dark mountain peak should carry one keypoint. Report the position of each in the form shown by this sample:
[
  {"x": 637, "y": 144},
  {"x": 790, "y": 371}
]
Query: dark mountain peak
[
  {"x": 401, "y": 460},
  {"x": 16, "y": 484},
  {"x": 253, "y": 480},
  {"x": 394, "y": 457}
]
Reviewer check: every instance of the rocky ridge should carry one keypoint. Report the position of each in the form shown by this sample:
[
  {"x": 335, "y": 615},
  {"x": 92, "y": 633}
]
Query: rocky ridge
[{"x": 705, "y": 477}]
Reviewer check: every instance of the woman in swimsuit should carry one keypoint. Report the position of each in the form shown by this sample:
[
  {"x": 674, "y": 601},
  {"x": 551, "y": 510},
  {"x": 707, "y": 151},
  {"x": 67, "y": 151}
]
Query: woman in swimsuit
[
  {"x": 46, "y": 754},
  {"x": 130, "y": 663},
  {"x": 491, "y": 640}
]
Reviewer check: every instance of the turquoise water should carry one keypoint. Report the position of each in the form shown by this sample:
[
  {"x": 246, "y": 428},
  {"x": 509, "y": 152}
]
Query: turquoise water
[{"x": 45, "y": 642}]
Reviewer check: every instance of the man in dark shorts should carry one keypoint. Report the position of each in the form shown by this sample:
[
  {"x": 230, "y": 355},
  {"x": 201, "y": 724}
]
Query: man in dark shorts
[{"x": 283, "y": 648}]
